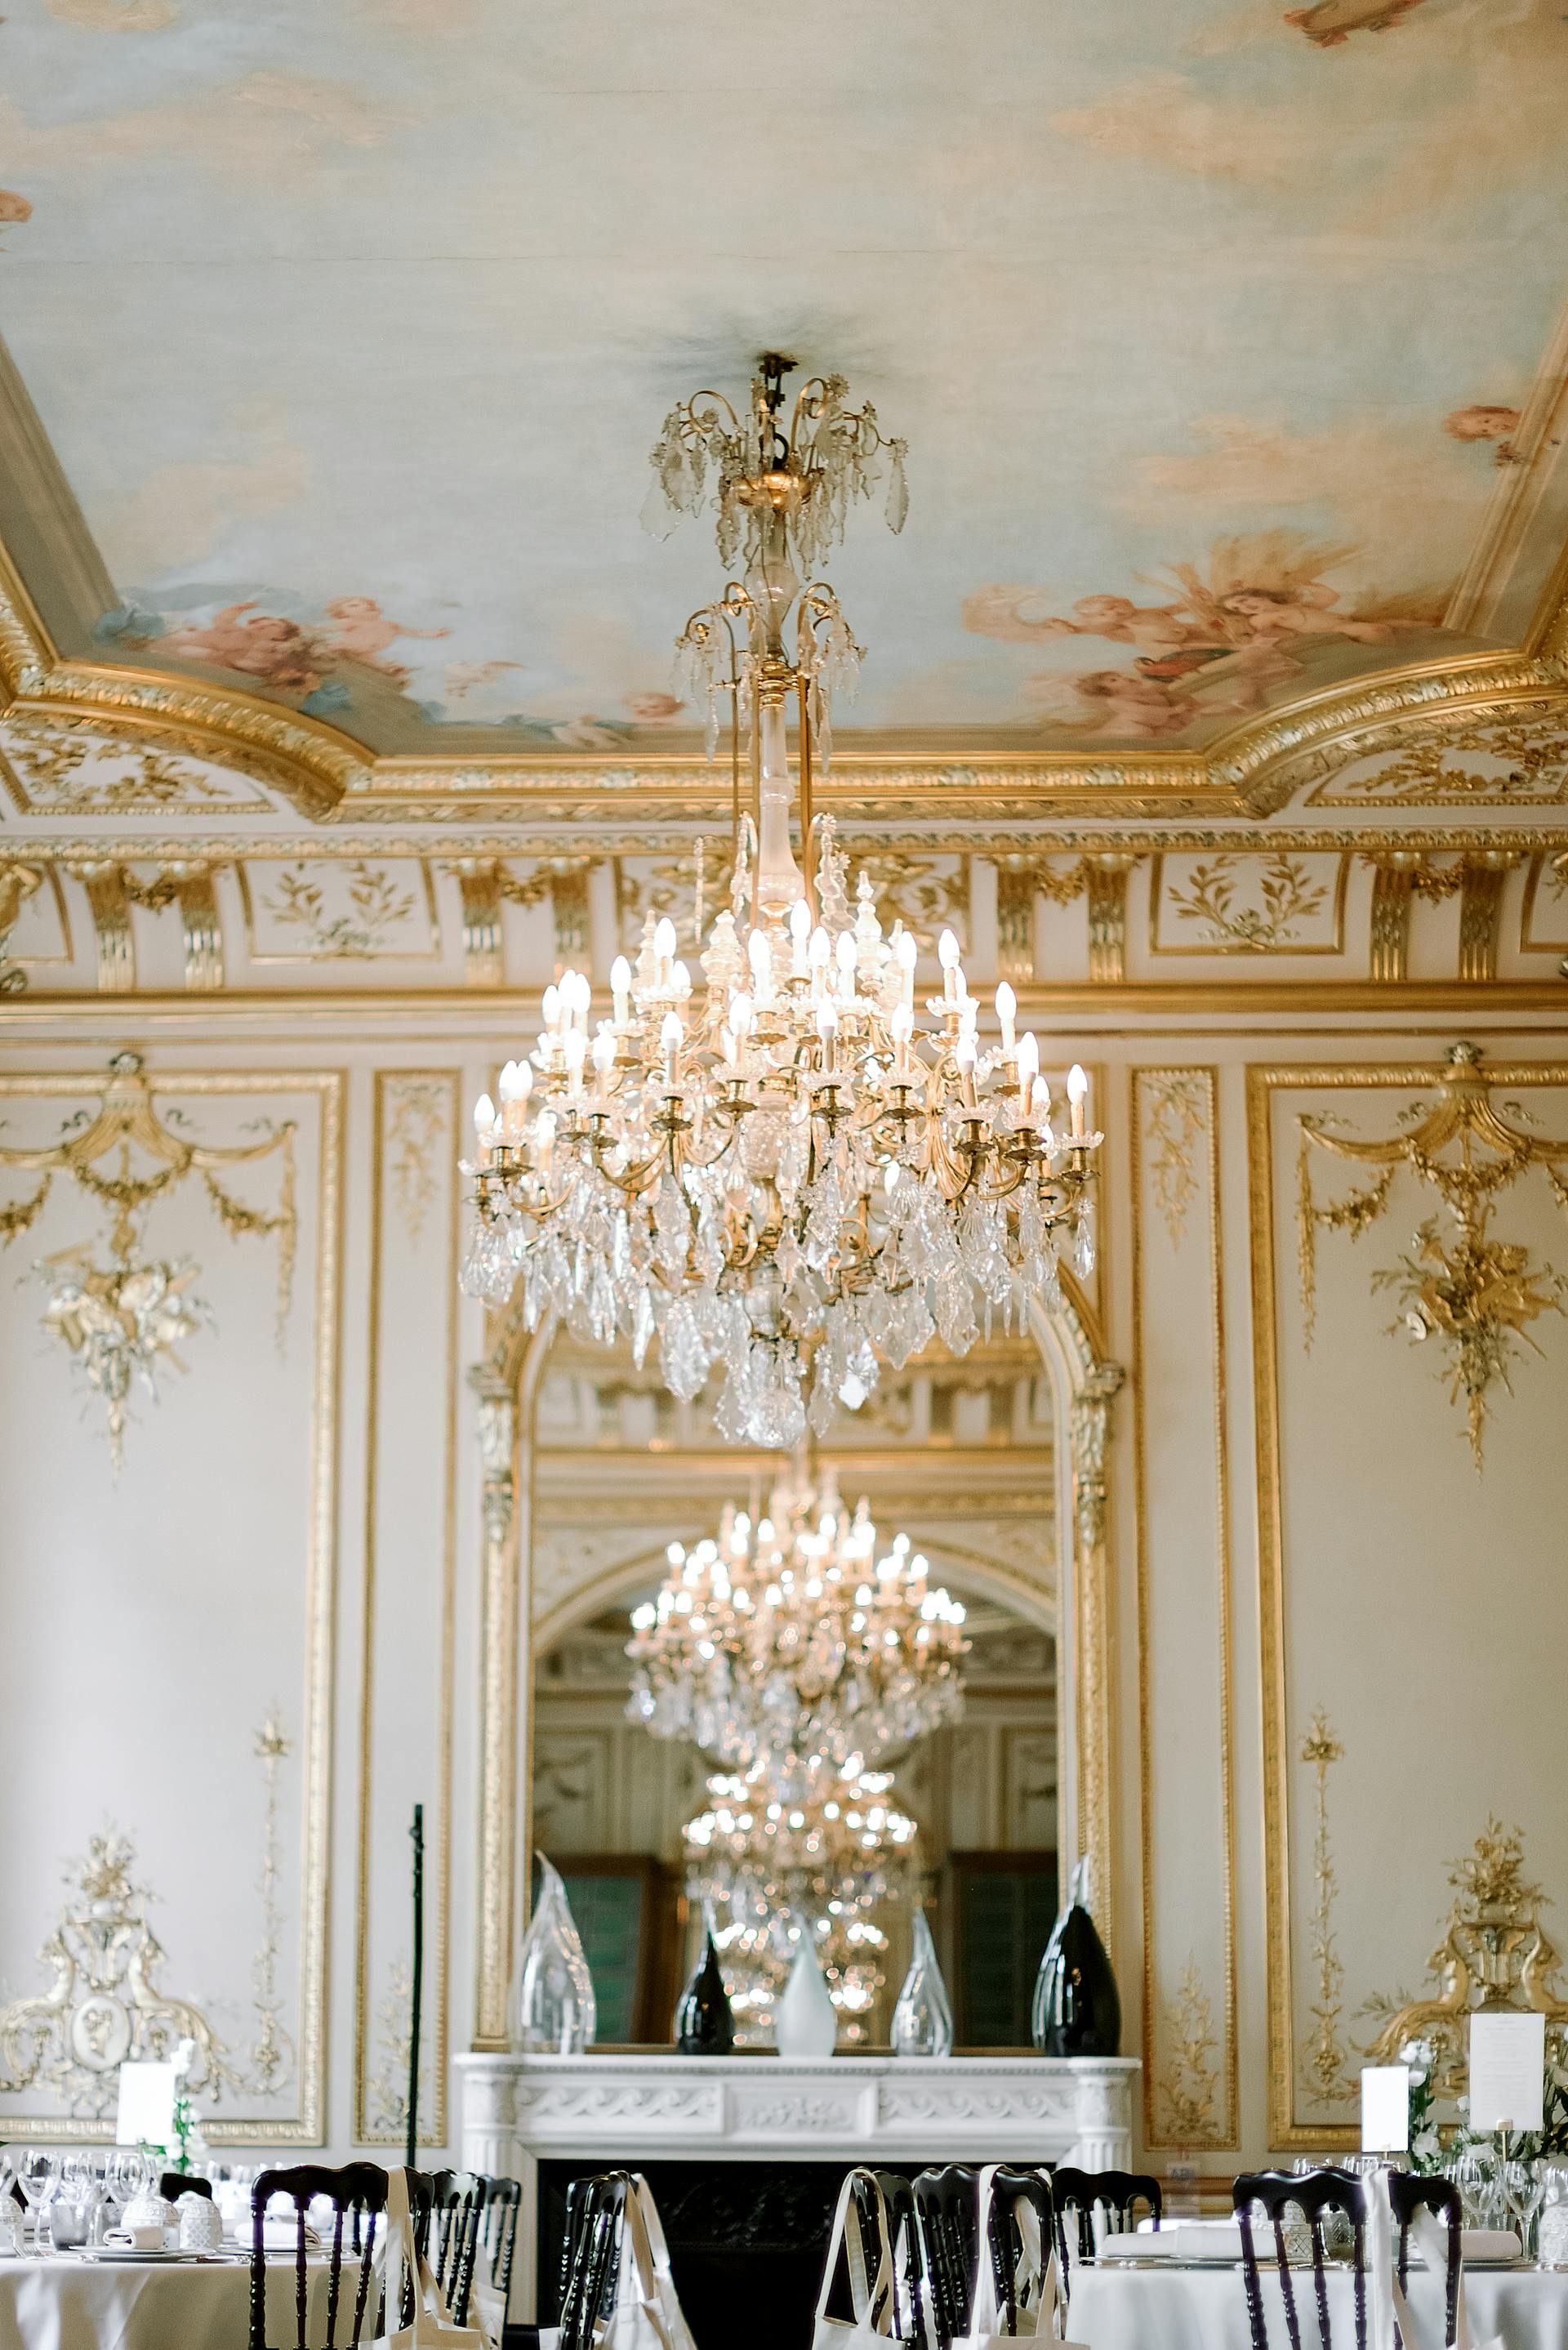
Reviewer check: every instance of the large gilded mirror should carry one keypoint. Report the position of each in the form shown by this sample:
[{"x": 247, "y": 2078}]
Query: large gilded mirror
[{"x": 956, "y": 1457}]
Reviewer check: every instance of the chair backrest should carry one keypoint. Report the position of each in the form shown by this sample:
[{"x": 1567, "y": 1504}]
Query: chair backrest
[
  {"x": 1408, "y": 2194},
  {"x": 357, "y": 2193},
  {"x": 1314, "y": 2196},
  {"x": 458, "y": 2210},
  {"x": 502, "y": 2203},
  {"x": 906, "y": 2318},
  {"x": 175, "y": 2183},
  {"x": 946, "y": 2214},
  {"x": 590, "y": 2253},
  {"x": 944, "y": 2222},
  {"x": 1118, "y": 2193}
]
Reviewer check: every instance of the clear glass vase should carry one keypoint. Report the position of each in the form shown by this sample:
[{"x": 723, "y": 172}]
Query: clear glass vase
[
  {"x": 923, "y": 2017},
  {"x": 551, "y": 2011}
]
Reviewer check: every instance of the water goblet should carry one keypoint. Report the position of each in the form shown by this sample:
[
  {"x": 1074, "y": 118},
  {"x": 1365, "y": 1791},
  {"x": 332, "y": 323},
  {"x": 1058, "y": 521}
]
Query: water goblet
[
  {"x": 1524, "y": 2188},
  {"x": 37, "y": 2176}
]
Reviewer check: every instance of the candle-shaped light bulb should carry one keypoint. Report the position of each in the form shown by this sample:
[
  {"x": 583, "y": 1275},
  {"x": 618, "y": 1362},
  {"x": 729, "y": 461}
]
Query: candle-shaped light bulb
[
  {"x": 740, "y": 1016},
  {"x": 728, "y": 1048},
  {"x": 827, "y": 1029},
  {"x": 845, "y": 955},
  {"x": 680, "y": 979},
  {"x": 1006, "y": 1013},
  {"x": 799, "y": 937},
  {"x": 907, "y": 955},
  {"x": 550, "y": 1009},
  {"x": 902, "y": 1026},
  {"x": 1028, "y": 1067},
  {"x": 620, "y": 990},
  {"x": 762, "y": 966},
  {"x": 1077, "y": 1087},
  {"x": 664, "y": 938},
  {"x": 517, "y": 1080},
  {"x": 669, "y": 1036},
  {"x": 574, "y": 1051},
  {"x": 821, "y": 955},
  {"x": 604, "y": 1055},
  {"x": 484, "y": 1116},
  {"x": 948, "y": 956},
  {"x": 1039, "y": 1101}
]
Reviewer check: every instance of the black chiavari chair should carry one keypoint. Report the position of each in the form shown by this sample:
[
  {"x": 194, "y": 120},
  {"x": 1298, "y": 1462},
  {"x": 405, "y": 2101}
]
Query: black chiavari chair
[
  {"x": 1314, "y": 2196},
  {"x": 1408, "y": 2194},
  {"x": 1116, "y": 2193},
  {"x": 357, "y": 2193},
  {"x": 498, "y": 2227},
  {"x": 457, "y": 2212}
]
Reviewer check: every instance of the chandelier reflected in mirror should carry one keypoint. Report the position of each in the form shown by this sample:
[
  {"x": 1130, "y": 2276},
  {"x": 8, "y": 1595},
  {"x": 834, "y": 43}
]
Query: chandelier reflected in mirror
[
  {"x": 792, "y": 1169},
  {"x": 795, "y": 1649},
  {"x": 771, "y": 1868}
]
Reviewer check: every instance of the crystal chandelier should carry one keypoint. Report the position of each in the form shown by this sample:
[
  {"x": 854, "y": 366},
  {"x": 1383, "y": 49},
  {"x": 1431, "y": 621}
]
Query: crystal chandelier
[
  {"x": 793, "y": 1648},
  {"x": 773, "y": 1868},
  {"x": 787, "y": 1174}
]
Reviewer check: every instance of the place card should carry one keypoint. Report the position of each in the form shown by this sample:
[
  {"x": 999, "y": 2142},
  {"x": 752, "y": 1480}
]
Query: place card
[
  {"x": 146, "y": 2115},
  {"x": 1385, "y": 2108},
  {"x": 1508, "y": 2071}
]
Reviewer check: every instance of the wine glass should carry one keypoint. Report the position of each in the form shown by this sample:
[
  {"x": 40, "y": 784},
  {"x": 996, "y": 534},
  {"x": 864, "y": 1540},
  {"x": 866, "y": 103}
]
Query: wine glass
[
  {"x": 1523, "y": 2187},
  {"x": 129, "y": 2173},
  {"x": 37, "y": 2176}
]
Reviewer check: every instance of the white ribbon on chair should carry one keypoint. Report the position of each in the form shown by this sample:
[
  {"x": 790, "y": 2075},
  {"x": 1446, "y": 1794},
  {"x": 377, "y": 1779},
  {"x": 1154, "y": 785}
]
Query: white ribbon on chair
[
  {"x": 670, "y": 2307},
  {"x": 1387, "y": 2301},
  {"x": 432, "y": 2327},
  {"x": 870, "y": 2290},
  {"x": 1038, "y": 2298}
]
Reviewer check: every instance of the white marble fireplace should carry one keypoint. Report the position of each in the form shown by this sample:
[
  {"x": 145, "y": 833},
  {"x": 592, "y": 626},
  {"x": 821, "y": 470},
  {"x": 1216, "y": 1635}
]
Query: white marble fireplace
[{"x": 627, "y": 2110}]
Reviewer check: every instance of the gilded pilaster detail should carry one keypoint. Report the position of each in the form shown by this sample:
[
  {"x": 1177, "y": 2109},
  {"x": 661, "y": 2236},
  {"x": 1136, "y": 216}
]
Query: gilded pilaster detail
[
  {"x": 499, "y": 1612},
  {"x": 18, "y": 883},
  {"x": 1016, "y": 889},
  {"x": 1480, "y": 904},
  {"x": 479, "y": 881},
  {"x": 104, "y": 881}
]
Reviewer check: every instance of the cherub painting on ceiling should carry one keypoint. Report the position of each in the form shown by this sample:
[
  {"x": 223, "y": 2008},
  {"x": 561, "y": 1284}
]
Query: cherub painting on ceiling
[
  {"x": 315, "y": 665},
  {"x": 1214, "y": 646},
  {"x": 1332, "y": 22}
]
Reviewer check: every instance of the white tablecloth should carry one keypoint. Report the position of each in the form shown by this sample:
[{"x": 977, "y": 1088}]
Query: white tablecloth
[
  {"x": 1206, "y": 2309},
  {"x": 73, "y": 2304}
]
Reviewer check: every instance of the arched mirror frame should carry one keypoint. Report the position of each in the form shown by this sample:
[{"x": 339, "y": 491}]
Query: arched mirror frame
[{"x": 1084, "y": 1383}]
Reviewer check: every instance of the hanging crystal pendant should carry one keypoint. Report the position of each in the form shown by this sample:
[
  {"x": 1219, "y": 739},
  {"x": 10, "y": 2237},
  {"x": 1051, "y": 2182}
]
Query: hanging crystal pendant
[
  {"x": 551, "y": 2011},
  {"x": 923, "y": 2017}
]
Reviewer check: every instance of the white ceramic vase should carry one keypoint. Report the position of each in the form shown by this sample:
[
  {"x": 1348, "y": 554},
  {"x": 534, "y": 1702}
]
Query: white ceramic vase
[{"x": 805, "y": 2022}]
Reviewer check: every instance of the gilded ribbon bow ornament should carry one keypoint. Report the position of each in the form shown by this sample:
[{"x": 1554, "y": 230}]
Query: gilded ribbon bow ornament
[
  {"x": 123, "y": 1320},
  {"x": 1475, "y": 1293}
]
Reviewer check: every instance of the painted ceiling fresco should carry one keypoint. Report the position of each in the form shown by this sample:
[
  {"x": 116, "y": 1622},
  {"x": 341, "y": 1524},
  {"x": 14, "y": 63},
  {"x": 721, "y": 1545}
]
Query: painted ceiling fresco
[{"x": 1227, "y": 338}]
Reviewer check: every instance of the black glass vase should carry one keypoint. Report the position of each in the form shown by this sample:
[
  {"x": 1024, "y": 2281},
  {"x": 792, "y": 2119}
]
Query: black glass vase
[
  {"x": 1077, "y": 2008},
  {"x": 704, "y": 2021}
]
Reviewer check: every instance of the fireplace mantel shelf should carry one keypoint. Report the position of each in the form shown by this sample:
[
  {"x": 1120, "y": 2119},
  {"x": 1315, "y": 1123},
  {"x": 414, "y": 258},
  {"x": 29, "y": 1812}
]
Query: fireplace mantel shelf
[{"x": 627, "y": 2110}]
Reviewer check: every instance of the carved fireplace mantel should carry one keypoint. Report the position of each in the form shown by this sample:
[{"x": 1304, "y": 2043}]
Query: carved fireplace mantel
[{"x": 632, "y": 2109}]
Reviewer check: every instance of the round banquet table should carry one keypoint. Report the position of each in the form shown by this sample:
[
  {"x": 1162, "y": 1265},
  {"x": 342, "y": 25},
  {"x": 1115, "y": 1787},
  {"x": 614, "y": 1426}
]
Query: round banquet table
[
  {"x": 1171, "y": 2308},
  {"x": 75, "y": 2305}
]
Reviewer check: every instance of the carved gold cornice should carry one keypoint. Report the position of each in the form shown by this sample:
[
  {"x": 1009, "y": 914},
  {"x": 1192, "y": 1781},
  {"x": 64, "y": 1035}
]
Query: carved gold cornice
[{"x": 1253, "y": 770}]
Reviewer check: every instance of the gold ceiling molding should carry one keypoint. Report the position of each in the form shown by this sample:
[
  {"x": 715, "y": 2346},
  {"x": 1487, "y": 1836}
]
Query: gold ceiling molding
[
  {"x": 18, "y": 884},
  {"x": 1253, "y": 770}
]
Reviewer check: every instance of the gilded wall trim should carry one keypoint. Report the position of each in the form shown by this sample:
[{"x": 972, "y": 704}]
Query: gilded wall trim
[
  {"x": 1265, "y": 1082},
  {"x": 307, "y": 2126},
  {"x": 1176, "y": 1110},
  {"x": 408, "y": 1184}
]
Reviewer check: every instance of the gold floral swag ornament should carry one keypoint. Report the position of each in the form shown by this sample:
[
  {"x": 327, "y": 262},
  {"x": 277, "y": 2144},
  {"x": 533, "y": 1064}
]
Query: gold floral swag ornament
[
  {"x": 1475, "y": 1293},
  {"x": 122, "y": 1321},
  {"x": 105, "y": 2006},
  {"x": 1494, "y": 1954}
]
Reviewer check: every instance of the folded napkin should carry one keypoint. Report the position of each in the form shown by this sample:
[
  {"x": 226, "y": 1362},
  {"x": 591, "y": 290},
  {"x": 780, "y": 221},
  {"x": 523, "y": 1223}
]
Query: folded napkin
[
  {"x": 1489, "y": 2244},
  {"x": 282, "y": 2235}
]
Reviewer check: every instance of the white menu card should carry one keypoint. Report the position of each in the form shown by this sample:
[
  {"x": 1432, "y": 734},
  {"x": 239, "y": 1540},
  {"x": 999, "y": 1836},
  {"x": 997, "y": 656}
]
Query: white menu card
[
  {"x": 1385, "y": 2108},
  {"x": 146, "y": 2105},
  {"x": 1508, "y": 2071}
]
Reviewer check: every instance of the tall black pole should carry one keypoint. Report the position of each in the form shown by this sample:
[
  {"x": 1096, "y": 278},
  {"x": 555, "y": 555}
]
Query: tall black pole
[{"x": 417, "y": 1833}]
